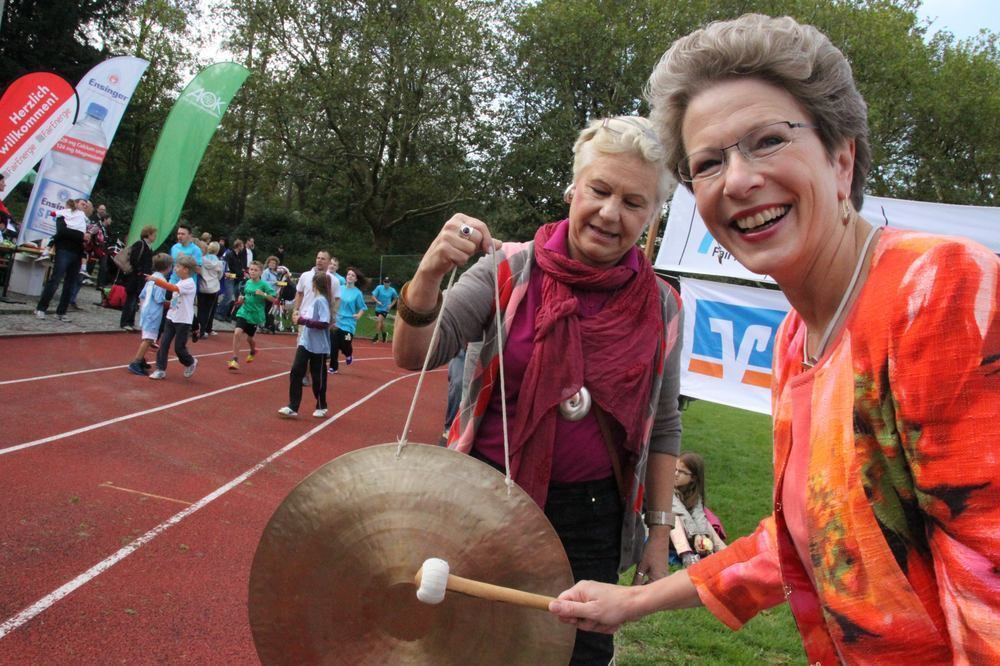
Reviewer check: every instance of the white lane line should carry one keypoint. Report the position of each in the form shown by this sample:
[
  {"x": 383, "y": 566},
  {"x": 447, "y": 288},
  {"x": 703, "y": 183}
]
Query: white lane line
[
  {"x": 48, "y": 600},
  {"x": 135, "y": 415},
  {"x": 119, "y": 367}
]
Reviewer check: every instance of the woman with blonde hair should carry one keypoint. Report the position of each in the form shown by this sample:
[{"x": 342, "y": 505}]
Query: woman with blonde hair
[
  {"x": 883, "y": 537},
  {"x": 582, "y": 309}
]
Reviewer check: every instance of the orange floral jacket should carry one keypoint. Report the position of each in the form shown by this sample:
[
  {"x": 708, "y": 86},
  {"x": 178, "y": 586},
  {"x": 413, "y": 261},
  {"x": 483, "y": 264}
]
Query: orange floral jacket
[{"x": 901, "y": 420}]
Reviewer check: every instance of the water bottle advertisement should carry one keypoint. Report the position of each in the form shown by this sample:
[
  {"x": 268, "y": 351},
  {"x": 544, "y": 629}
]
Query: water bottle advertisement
[
  {"x": 70, "y": 169},
  {"x": 36, "y": 111}
]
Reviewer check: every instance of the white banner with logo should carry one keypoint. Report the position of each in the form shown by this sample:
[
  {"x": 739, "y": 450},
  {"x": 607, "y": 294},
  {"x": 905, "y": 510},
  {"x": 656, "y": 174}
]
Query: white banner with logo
[
  {"x": 688, "y": 247},
  {"x": 729, "y": 342},
  {"x": 70, "y": 169}
]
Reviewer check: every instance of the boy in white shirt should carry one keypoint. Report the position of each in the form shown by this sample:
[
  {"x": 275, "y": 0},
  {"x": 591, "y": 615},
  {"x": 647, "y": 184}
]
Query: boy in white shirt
[{"x": 179, "y": 317}]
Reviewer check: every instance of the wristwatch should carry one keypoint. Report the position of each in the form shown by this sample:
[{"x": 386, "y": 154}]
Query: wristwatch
[{"x": 659, "y": 518}]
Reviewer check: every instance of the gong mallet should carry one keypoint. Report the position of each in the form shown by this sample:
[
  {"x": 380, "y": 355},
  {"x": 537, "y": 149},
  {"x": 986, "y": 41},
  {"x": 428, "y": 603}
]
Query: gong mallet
[{"x": 434, "y": 578}]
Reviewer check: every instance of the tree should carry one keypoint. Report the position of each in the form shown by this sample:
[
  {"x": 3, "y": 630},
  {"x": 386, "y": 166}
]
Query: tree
[{"x": 373, "y": 103}]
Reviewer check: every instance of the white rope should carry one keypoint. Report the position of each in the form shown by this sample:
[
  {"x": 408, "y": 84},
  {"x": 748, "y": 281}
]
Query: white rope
[
  {"x": 503, "y": 384},
  {"x": 508, "y": 480},
  {"x": 423, "y": 372}
]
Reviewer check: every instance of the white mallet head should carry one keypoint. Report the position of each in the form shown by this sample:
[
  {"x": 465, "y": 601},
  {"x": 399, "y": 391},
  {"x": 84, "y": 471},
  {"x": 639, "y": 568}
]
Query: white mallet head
[{"x": 433, "y": 581}]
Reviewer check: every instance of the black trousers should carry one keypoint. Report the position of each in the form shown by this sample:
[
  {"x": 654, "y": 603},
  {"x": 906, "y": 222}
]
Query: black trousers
[
  {"x": 317, "y": 371},
  {"x": 587, "y": 516},
  {"x": 588, "y": 519},
  {"x": 177, "y": 333},
  {"x": 340, "y": 341},
  {"x": 206, "y": 310}
]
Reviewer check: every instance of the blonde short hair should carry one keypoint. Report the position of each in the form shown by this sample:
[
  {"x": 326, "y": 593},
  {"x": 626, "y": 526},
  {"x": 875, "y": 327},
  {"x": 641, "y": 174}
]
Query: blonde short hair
[
  {"x": 187, "y": 261},
  {"x": 797, "y": 58},
  {"x": 623, "y": 134},
  {"x": 213, "y": 247}
]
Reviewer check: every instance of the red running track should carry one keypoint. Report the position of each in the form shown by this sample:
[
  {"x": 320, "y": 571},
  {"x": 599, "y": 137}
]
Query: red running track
[{"x": 132, "y": 508}]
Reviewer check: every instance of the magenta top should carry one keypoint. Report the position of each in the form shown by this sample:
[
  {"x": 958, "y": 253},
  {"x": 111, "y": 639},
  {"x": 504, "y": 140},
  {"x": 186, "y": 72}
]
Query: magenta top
[{"x": 580, "y": 453}]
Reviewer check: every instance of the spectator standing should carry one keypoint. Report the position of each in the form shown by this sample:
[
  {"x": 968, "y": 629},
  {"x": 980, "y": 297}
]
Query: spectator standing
[
  {"x": 71, "y": 232},
  {"x": 208, "y": 289},
  {"x": 235, "y": 267},
  {"x": 8, "y": 227},
  {"x": 385, "y": 298},
  {"x": 249, "y": 249},
  {"x": 270, "y": 276},
  {"x": 352, "y": 306},
  {"x": 140, "y": 257}
]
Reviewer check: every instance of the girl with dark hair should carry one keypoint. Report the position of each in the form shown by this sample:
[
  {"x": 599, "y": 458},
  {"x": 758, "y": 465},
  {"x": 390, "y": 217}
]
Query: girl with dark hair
[{"x": 693, "y": 535}]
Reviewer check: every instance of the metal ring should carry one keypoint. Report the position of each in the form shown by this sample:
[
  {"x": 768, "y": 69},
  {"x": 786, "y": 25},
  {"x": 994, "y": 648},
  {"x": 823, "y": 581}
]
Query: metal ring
[
  {"x": 465, "y": 230},
  {"x": 641, "y": 573}
]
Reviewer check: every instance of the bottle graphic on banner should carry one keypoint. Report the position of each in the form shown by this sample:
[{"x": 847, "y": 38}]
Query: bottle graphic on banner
[{"x": 74, "y": 165}]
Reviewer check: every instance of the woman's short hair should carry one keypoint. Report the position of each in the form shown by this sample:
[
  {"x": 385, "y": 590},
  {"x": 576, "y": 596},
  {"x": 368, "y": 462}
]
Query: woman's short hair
[
  {"x": 148, "y": 231},
  {"x": 213, "y": 247},
  {"x": 794, "y": 57},
  {"x": 623, "y": 134}
]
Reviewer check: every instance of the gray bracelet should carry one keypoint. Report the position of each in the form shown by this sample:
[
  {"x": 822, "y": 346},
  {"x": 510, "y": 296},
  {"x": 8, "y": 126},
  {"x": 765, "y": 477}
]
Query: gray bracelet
[{"x": 659, "y": 518}]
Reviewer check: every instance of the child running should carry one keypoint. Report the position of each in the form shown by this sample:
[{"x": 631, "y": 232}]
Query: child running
[
  {"x": 352, "y": 306},
  {"x": 314, "y": 345},
  {"x": 151, "y": 297},
  {"x": 252, "y": 313},
  {"x": 179, "y": 317}
]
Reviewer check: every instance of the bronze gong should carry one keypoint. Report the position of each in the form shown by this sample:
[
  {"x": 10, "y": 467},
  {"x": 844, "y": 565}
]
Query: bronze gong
[{"x": 332, "y": 579}]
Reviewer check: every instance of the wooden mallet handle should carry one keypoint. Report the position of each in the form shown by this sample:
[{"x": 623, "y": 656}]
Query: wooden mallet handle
[{"x": 475, "y": 588}]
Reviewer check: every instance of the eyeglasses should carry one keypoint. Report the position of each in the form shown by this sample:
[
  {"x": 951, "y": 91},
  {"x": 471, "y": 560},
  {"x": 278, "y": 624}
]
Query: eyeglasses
[{"x": 757, "y": 144}]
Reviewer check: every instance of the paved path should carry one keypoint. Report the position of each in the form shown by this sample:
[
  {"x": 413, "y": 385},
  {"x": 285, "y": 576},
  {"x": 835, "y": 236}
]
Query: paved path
[{"x": 17, "y": 317}]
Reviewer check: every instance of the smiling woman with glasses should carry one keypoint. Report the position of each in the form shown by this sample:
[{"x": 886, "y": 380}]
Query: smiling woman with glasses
[{"x": 885, "y": 372}]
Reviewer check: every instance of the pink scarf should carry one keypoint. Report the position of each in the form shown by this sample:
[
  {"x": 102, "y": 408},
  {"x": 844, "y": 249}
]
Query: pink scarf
[{"x": 610, "y": 353}]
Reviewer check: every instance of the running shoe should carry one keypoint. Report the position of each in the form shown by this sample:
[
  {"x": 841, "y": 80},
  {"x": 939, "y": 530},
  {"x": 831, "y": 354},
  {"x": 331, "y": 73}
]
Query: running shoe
[
  {"x": 136, "y": 369},
  {"x": 234, "y": 365},
  {"x": 319, "y": 413},
  {"x": 332, "y": 371},
  {"x": 287, "y": 413},
  {"x": 348, "y": 360},
  {"x": 158, "y": 374},
  {"x": 40, "y": 314},
  {"x": 250, "y": 358},
  {"x": 188, "y": 371},
  {"x": 63, "y": 318}
]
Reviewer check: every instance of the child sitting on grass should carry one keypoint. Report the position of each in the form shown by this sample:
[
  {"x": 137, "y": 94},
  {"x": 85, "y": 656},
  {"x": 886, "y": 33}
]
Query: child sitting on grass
[
  {"x": 179, "y": 317},
  {"x": 693, "y": 535},
  {"x": 252, "y": 313},
  {"x": 151, "y": 297}
]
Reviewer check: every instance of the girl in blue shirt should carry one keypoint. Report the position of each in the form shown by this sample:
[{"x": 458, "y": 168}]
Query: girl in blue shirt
[
  {"x": 314, "y": 345},
  {"x": 352, "y": 306}
]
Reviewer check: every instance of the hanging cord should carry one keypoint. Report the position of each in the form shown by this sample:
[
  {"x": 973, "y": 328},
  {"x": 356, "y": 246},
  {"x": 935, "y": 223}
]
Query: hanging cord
[
  {"x": 423, "y": 372},
  {"x": 503, "y": 382}
]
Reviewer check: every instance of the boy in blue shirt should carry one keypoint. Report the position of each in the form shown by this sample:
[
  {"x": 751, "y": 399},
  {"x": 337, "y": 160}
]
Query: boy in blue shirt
[
  {"x": 385, "y": 297},
  {"x": 151, "y": 299}
]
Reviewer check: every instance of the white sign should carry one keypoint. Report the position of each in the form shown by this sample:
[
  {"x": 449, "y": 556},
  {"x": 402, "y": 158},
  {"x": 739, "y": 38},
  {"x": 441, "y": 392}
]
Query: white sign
[{"x": 728, "y": 342}]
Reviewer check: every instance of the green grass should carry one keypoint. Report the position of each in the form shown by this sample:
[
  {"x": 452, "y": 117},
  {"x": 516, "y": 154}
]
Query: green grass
[{"x": 736, "y": 446}]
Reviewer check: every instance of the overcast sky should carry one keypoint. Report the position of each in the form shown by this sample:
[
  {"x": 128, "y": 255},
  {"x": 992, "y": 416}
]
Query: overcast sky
[{"x": 963, "y": 18}]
